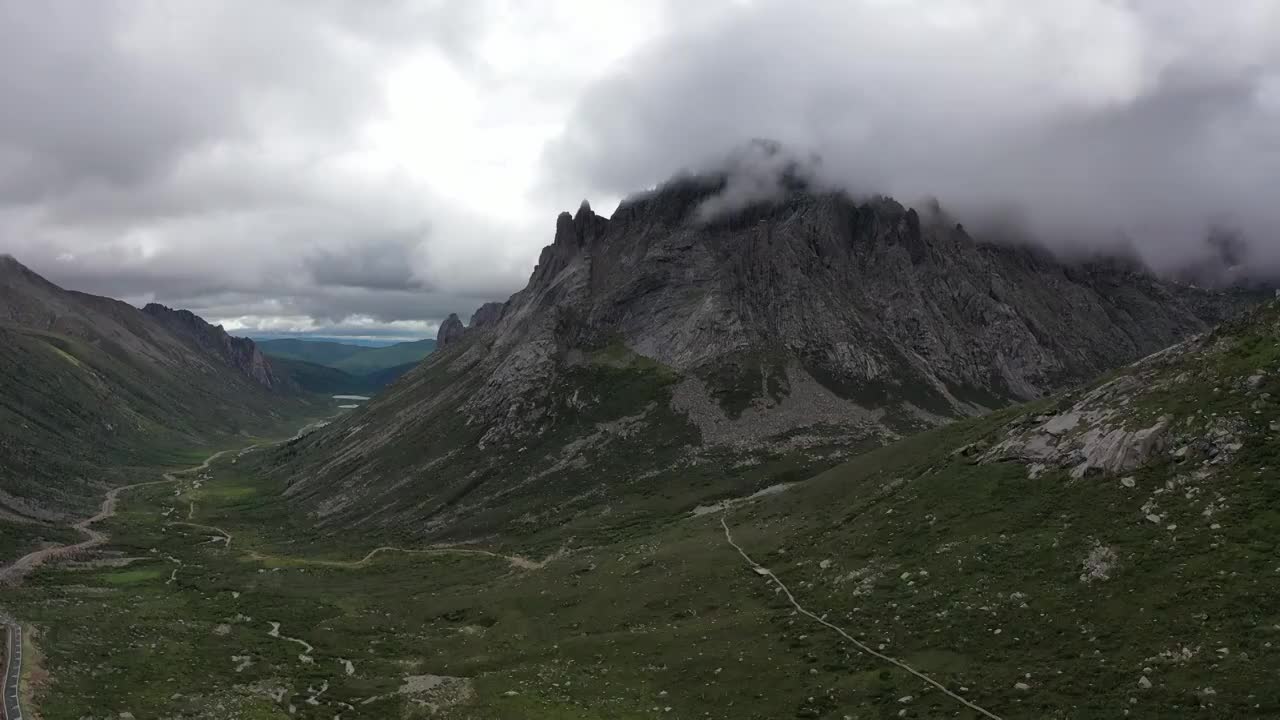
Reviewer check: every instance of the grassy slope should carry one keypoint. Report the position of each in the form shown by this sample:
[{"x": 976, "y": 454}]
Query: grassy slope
[
  {"x": 77, "y": 417},
  {"x": 327, "y": 380},
  {"x": 320, "y": 378},
  {"x": 611, "y": 437},
  {"x": 970, "y": 572},
  {"x": 374, "y": 359},
  {"x": 386, "y": 376}
]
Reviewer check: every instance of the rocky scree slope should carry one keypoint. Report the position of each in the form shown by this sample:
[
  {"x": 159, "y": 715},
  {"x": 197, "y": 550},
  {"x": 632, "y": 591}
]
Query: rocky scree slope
[
  {"x": 89, "y": 385},
  {"x": 658, "y": 358}
]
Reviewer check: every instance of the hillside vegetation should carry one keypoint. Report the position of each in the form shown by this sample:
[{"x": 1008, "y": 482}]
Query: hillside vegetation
[
  {"x": 1107, "y": 552},
  {"x": 92, "y": 388},
  {"x": 332, "y": 367}
]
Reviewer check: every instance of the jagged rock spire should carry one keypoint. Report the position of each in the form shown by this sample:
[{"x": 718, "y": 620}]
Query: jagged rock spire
[{"x": 450, "y": 330}]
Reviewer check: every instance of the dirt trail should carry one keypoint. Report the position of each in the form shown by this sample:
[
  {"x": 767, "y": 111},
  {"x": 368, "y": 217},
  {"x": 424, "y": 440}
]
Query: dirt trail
[
  {"x": 766, "y": 572},
  {"x": 93, "y": 538},
  {"x": 516, "y": 561},
  {"x": 307, "y": 648}
]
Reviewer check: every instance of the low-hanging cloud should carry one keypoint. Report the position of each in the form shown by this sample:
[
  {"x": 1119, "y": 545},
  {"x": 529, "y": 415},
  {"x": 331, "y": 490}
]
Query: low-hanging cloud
[
  {"x": 758, "y": 171},
  {"x": 1146, "y": 122}
]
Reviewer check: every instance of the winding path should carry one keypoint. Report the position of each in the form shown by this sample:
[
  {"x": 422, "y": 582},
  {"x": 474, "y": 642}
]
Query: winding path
[
  {"x": 93, "y": 538},
  {"x": 766, "y": 572},
  {"x": 307, "y": 648}
]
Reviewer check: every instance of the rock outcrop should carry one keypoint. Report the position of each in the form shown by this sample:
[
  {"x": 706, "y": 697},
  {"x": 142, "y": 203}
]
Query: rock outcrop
[
  {"x": 486, "y": 315},
  {"x": 242, "y": 354},
  {"x": 451, "y": 330}
]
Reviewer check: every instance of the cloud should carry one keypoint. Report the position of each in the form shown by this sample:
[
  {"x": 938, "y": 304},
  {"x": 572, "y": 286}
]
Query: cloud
[
  {"x": 323, "y": 163},
  {"x": 1147, "y": 120},
  {"x": 207, "y": 150}
]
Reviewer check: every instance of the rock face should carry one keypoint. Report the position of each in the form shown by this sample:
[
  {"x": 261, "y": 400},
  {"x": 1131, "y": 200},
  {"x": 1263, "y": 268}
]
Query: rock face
[
  {"x": 808, "y": 323},
  {"x": 486, "y": 315},
  {"x": 867, "y": 300},
  {"x": 450, "y": 331},
  {"x": 1128, "y": 422},
  {"x": 239, "y": 353}
]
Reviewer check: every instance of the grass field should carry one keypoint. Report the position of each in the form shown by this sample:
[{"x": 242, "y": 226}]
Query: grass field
[{"x": 969, "y": 574}]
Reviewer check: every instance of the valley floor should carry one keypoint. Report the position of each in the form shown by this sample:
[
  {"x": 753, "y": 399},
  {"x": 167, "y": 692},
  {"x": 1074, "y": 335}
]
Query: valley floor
[
  {"x": 994, "y": 568},
  {"x": 974, "y": 576}
]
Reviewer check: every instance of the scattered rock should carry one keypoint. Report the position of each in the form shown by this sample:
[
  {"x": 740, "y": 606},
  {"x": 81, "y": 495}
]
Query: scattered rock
[{"x": 1098, "y": 564}]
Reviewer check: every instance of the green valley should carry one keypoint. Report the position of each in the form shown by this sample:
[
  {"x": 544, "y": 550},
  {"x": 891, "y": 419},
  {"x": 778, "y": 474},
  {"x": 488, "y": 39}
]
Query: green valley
[
  {"x": 326, "y": 367},
  {"x": 806, "y": 360},
  {"x": 1022, "y": 590}
]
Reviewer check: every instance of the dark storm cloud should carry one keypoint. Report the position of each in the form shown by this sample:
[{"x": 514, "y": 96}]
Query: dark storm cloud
[
  {"x": 249, "y": 160},
  {"x": 182, "y": 151},
  {"x": 1148, "y": 121}
]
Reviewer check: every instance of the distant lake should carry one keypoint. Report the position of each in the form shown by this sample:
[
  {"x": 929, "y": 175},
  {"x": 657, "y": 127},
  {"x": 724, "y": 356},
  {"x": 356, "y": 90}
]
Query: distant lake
[{"x": 350, "y": 397}]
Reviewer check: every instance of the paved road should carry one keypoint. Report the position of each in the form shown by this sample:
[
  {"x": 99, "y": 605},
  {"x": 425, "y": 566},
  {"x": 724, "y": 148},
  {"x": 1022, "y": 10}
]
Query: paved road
[{"x": 12, "y": 672}]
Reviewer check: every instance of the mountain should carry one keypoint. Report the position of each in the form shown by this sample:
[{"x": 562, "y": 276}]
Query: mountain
[
  {"x": 352, "y": 359},
  {"x": 323, "y": 379},
  {"x": 320, "y": 352},
  {"x": 657, "y": 358},
  {"x": 90, "y": 386},
  {"x": 1107, "y": 551},
  {"x": 381, "y": 358},
  {"x": 241, "y": 354}
]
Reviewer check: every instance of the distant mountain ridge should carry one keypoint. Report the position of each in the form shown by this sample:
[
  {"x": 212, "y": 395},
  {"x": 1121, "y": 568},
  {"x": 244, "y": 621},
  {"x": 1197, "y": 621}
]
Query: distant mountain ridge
[
  {"x": 356, "y": 359},
  {"x": 660, "y": 340},
  {"x": 322, "y": 366}
]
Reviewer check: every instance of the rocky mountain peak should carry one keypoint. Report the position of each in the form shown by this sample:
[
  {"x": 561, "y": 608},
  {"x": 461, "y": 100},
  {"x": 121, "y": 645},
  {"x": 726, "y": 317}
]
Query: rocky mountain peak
[
  {"x": 450, "y": 331},
  {"x": 804, "y": 321}
]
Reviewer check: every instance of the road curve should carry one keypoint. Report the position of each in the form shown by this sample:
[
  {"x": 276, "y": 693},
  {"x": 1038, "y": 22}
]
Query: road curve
[
  {"x": 93, "y": 538},
  {"x": 11, "y": 707}
]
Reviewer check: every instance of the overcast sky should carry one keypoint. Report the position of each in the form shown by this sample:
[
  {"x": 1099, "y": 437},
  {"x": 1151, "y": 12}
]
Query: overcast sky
[{"x": 367, "y": 167}]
